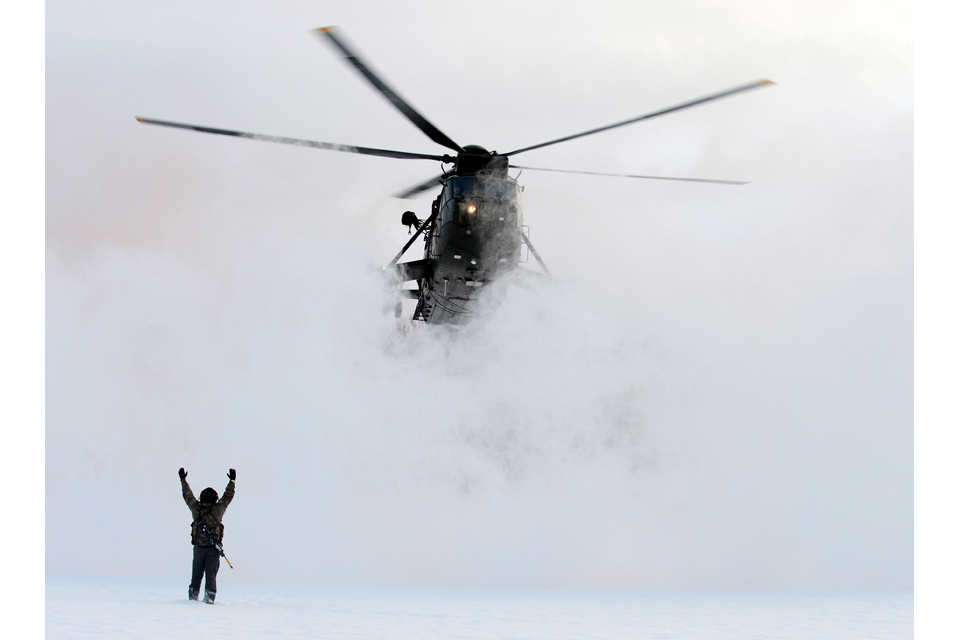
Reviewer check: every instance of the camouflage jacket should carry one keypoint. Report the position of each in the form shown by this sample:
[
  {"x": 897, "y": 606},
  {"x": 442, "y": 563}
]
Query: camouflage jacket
[{"x": 210, "y": 514}]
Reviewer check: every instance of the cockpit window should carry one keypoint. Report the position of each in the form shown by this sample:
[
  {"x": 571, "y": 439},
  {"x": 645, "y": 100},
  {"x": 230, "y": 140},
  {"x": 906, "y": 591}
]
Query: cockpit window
[
  {"x": 461, "y": 187},
  {"x": 471, "y": 200}
]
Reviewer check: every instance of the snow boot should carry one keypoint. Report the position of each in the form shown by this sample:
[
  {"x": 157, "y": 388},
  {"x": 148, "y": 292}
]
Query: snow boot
[
  {"x": 193, "y": 595},
  {"x": 209, "y": 596}
]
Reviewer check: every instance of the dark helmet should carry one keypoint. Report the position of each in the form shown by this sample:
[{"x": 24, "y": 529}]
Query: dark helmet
[{"x": 209, "y": 496}]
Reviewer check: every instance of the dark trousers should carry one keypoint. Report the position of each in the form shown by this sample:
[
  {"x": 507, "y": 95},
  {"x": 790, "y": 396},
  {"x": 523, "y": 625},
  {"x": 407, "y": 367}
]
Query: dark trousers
[{"x": 206, "y": 560}]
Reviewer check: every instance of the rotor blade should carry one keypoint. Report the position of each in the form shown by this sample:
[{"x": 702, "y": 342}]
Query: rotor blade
[
  {"x": 386, "y": 153},
  {"x": 420, "y": 188},
  {"x": 714, "y": 96},
  {"x": 628, "y": 175},
  {"x": 412, "y": 114}
]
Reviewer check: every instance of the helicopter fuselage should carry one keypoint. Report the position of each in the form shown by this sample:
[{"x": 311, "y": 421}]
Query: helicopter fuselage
[{"x": 473, "y": 236}]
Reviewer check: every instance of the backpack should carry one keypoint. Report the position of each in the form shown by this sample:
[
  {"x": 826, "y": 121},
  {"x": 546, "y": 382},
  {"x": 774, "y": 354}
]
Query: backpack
[{"x": 205, "y": 516}]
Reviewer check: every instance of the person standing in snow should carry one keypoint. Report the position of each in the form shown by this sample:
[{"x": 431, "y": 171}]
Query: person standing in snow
[{"x": 207, "y": 514}]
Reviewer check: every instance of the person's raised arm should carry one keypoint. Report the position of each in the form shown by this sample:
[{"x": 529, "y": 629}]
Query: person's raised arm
[
  {"x": 187, "y": 491},
  {"x": 228, "y": 492}
]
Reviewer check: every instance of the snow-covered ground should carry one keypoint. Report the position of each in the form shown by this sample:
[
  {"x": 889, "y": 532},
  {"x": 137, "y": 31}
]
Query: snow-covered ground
[{"x": 94, "y": 607}]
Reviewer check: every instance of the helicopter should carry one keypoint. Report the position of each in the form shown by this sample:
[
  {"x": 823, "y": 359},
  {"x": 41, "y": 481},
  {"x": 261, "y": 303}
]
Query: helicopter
[{"x": 474, "y": 234}]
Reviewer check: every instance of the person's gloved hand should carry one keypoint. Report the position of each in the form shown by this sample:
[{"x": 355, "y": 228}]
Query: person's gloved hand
[
  {"x": 232, "y": 474},
  {"x": 183, "y": 474}
]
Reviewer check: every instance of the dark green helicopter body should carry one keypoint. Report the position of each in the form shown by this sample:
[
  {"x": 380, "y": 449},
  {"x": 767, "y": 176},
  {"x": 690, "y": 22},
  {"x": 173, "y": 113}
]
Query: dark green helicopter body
[
  {"x": 475, "y": 233},
  {"x": 473, "y": 237}
]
